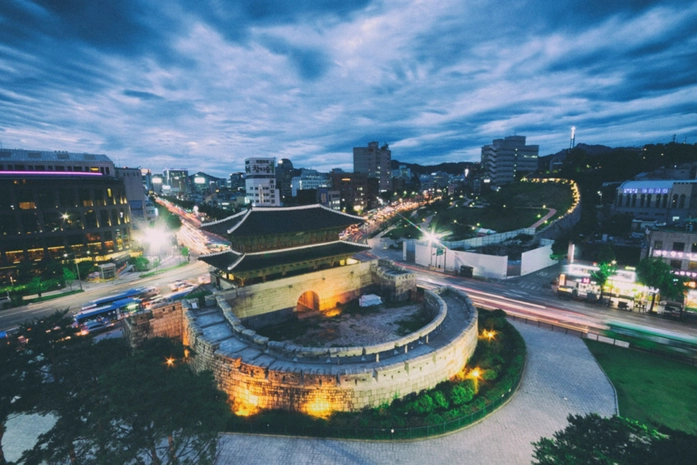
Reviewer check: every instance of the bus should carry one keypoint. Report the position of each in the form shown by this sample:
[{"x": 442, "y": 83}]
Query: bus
[
  {"x": 653, "y": 339},
  {"x": 136, "y": 293},
  {"x": 108, "y": 313}
]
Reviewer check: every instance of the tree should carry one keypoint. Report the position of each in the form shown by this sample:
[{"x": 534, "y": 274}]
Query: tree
[
  {"x": 114, "y": 406},
  {"x": 69, "y": 277},
  {"x": 603, "y": 274},
  {"x": 17, "y": 382},
  {"x": 37, "y": 285},
  {"x": 656, "y": 274},
  {"x": 160, "y": 411},
  {"x": 49, "y": 341},
  {"x": 141, "y": 263},
  {"x": 593, "y": 439},
  {"x": 185, "y": 252}
]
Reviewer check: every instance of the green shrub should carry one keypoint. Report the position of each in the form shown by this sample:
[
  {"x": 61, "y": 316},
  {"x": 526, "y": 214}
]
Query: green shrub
[
  {"x": 461, "y": 394},
  {"x": 434, "y": 419},
  {"x": 479, "y": 403},
  {"x": 424, "y": 404},
  {"x": 440, "y": 401}
]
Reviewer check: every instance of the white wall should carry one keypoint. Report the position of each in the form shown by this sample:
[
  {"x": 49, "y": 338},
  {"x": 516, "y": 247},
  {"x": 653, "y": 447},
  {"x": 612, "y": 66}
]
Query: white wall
[
  {"x": 534, "y": 260},
  {"x": 488, "y": 266}
]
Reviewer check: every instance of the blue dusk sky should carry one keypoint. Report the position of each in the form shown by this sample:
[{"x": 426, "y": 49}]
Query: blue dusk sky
[{"x": 205, "y": 84}]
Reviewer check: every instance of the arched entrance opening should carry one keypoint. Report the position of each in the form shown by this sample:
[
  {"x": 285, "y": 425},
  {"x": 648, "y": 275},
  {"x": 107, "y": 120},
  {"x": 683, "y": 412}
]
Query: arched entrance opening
[{"x": 308, "y": 302}]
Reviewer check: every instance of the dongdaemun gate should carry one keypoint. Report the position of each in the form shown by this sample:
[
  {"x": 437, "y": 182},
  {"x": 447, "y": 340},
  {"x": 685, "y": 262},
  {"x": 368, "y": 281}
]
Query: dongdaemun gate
[
  {"x": 270, "y": 243},
  {"x": 286, "y": 261}
]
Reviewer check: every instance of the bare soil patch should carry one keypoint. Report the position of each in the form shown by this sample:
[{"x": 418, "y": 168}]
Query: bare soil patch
[{"x": 351, "y": 326}]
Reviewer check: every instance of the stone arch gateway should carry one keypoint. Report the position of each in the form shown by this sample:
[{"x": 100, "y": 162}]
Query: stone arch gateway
[{"x": 308, "y": 301}]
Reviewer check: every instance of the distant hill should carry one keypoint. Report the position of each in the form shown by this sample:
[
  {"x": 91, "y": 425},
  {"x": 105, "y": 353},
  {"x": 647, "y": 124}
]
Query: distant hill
[{"x": 450, "y": 168}]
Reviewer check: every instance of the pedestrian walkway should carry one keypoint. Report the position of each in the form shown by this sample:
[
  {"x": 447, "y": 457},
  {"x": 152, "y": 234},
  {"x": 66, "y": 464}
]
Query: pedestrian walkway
[
  {"x": 542, "y": 220},
  {"x": 561, "y": 378}
]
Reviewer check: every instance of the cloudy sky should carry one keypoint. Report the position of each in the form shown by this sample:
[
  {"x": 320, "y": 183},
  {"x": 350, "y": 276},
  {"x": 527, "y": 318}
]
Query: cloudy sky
[{"x": 161, "y": 84}]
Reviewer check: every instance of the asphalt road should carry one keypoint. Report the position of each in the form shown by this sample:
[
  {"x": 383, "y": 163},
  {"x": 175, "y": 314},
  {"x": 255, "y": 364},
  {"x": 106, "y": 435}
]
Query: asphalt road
[
  {"x": 532, "y": 295},
  {"x": 529, "y": 295},
  {"x": 11, "y": 318}
]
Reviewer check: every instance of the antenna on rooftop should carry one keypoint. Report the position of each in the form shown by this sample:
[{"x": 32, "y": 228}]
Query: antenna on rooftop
[{"x": 572, "y": 143}]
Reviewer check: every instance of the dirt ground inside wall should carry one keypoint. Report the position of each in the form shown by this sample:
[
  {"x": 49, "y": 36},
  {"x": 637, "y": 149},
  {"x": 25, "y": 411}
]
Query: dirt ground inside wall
[{"x": 337, "y": 328}]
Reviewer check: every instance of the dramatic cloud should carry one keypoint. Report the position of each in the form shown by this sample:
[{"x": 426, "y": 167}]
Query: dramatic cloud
[{"x": 167, "y": 84}]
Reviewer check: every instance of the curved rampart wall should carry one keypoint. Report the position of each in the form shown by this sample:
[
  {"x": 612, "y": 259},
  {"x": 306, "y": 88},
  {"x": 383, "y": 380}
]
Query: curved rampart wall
[
  {"x": 255, "y": 379},
  {"x": 434, "y": 306}
]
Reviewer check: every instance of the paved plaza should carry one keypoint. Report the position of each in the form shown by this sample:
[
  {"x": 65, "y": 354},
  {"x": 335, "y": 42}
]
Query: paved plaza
[{"x": 562, "y": 377}]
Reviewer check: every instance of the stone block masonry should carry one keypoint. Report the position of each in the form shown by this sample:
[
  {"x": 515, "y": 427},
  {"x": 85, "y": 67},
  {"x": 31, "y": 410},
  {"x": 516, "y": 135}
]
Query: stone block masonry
[
  {"x": 163, "y": 320},
  {"x": 256, "y": 377},
  {"x": 257, "y": 373}
]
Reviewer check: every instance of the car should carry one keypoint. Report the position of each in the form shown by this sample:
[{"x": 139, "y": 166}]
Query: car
[
  {"x": 176, "y": 285},
  {"x": 93, "y": 327}
]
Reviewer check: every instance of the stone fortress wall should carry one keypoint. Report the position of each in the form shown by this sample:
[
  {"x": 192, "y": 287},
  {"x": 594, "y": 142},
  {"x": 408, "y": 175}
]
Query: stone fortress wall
[
  {"x": 274, "y": 301},
  {"x": 163, "y": 320},
  {"x": 260, "y": 374}
]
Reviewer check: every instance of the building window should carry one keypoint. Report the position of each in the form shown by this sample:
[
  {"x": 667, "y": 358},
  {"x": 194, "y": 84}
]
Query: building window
[
  {"x": 682, "y": 201},
  {"x": 679, "y": 246},
  {"x": 692, "y": 266},
  {"x": 658, "y": 245},
  {"x": 676, "y": 264},
  {"x": 694, "y": 247}
]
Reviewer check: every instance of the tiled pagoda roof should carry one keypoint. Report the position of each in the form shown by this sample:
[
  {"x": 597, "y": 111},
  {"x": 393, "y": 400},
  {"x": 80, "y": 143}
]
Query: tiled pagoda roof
[
  {"x": 236, "y": 262},
  {"x": 259, "y": 221}
]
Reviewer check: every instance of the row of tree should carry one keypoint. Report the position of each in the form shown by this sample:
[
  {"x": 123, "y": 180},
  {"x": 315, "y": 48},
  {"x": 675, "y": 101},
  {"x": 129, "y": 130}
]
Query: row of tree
[
  {"x": 592, "y": 439},
  {"x": 651, "y": 272},
  {"x": 112, "y": 404}
]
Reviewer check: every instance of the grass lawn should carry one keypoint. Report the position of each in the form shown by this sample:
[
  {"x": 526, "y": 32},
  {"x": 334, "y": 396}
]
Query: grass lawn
[
  {"x": 516, "y": 206},
  {"x": 650, "y": 389}
]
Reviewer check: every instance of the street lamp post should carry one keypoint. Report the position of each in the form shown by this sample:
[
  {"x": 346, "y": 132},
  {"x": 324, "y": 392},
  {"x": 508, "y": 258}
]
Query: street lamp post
[{"x": 77, "y": 268}]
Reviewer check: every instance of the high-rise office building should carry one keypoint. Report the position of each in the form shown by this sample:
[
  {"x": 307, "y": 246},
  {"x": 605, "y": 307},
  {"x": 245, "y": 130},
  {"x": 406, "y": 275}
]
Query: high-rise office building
[
  {"x": 260, "y": 182},
  {"x": 58, "y": 204},
  {"x": 284, "y": 175},
  {"x": 135, "y": 190},
  {"x": 505, "y": 158},
  {"x": 376, "y": 162},
  {"x": 176, "y": 181}
]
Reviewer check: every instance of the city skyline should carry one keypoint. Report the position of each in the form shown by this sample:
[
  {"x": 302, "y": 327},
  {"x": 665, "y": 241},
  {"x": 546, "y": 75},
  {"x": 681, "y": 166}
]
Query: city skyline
[{"x": 205, "y": 87}]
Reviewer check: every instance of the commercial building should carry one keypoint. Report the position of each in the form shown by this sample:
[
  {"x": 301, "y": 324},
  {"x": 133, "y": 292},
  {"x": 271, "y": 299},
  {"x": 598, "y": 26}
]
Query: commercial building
[
  {"x": 309, "y": 179},
  {"x": 135, "y": 190},
  {"x": 176, "y": 181},
  {"x": 260, "y": 182},
  {"x": 357, "y": 191},
  {"x": 663, "y": 201},
  {"x": 505, "y": 158},
  {"x": 284, "y": 175},
  {"x": 54, "y": 204},
  {"x": 376, "y": 162},
  {"x": 676, "y": 244}
]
